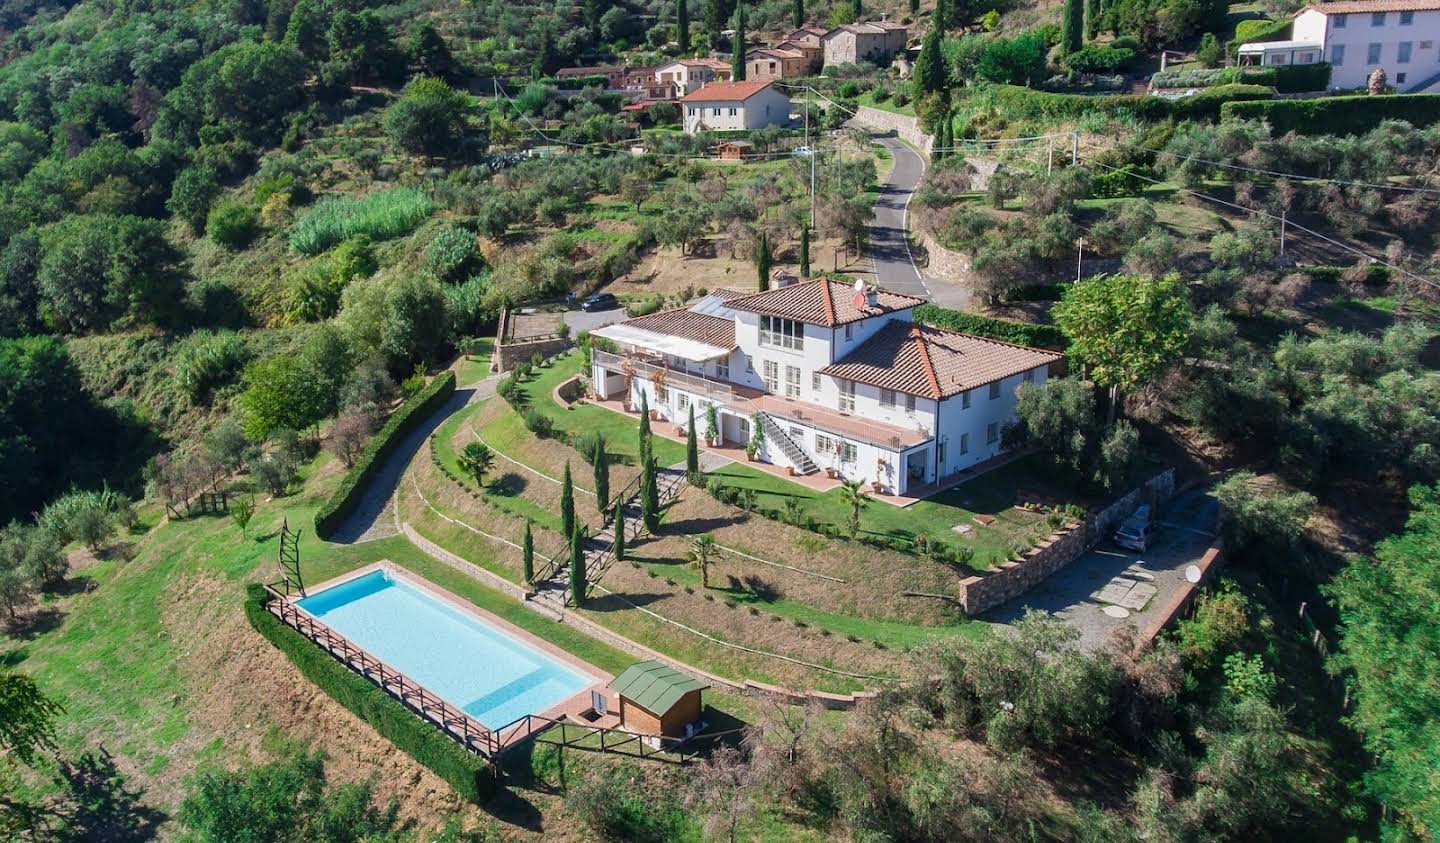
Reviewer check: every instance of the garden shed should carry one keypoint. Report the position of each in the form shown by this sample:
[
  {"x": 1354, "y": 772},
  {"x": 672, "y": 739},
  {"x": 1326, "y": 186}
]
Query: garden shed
[{"x": 656, "y": 699}]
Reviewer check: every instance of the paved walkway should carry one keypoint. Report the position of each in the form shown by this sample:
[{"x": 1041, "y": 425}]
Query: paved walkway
[
  {"x": 1110, "y": 586},
  {"x": 371, "y": 518}
]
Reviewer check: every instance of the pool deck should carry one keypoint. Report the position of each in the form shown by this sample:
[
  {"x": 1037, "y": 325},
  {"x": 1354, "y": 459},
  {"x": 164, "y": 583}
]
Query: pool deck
[{"x": 573, "y": 707}]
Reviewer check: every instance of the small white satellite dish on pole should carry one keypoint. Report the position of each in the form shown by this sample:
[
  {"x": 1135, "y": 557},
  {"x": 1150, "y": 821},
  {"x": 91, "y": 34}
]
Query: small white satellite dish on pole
[{"x": 1192, "y": 573}]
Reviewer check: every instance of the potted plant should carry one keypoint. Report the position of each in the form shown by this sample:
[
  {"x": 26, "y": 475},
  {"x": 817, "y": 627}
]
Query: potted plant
[
  {"x": 790, "y": 470},
  {"x": 757, "y": 438},
  {"x": 831, "y": 472},
  {"x": 712, "y": 426}
]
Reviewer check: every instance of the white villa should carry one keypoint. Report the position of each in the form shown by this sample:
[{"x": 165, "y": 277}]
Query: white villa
[
  {"x": 1357, "y": 36},
  {"x": 840, "y": 379},
  {"x": 732, "y": 106}
]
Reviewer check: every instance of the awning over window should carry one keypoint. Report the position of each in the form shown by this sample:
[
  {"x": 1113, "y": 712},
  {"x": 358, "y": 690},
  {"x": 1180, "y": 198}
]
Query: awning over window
[{"x": 685, "y": 349}]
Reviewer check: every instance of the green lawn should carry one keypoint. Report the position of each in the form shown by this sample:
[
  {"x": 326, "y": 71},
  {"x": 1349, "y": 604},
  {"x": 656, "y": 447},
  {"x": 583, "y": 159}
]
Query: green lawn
[
  {"x": 620, "y": 431},
  {"x": 515, "y": 504},
  {"x": 472, "y": 369}
]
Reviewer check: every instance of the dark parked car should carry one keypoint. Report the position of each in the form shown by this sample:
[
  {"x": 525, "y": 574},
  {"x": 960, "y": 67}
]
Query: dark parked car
[{"x": 600, "y": 301}]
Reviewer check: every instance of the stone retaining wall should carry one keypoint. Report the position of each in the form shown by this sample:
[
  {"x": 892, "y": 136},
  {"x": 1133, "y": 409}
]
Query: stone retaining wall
[
  {"x": 1011, "y": 579},
  {"x": 905, "y": 127},
  {"x": 506, "y": 354},
  {"x": 944, "y": 263}
]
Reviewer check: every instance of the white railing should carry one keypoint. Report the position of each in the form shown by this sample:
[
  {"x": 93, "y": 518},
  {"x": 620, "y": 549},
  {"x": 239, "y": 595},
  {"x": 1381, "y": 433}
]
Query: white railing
[{"x": 673, "y": 378}]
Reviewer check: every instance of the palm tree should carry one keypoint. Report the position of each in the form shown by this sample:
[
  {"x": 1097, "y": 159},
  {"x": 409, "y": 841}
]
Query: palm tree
[
  {"x": 853, "y": 496},
  {"x": 703, "y": 551},
  {"x": 475, "y": 460}
]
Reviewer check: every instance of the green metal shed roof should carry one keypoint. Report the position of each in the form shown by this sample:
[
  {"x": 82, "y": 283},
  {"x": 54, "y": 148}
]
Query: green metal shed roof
[{"x": 654, "y": 685}]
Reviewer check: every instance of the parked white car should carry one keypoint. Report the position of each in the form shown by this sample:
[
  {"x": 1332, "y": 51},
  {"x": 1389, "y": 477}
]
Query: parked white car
[{"x": 1137, "y": 531}]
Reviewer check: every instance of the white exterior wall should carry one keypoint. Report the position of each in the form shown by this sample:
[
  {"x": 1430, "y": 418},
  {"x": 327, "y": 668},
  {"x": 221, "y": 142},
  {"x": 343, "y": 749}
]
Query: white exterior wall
[
  {"x": 957, "y": 421},
  {"x": 1358, "y": 33},
  {"x": 766, "y": 108}
]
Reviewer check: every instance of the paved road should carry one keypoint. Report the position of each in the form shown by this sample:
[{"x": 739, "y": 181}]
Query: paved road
[
  {"x": 579, "y": 320},
  {"x": 371, "y": 518},
  {"x": 1078, "y": 593},
  {"x": 894, "y": 267}
]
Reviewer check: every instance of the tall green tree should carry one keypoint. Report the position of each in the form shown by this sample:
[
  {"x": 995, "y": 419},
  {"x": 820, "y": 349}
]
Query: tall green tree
[
  {"x": 567, "y": 502},
  {"x": 577, "y": 565},
  {"x": 620, "y": 531},
  {"x": 804, "y": 251},
  {"x": 527, "y": 553},
  {"x": 1390, "y": 641},
  {"x": 701, "y": 554},
  {"x": 762, "y": 262},
  {"x": 914, "y": 8},
  {"x": 429, "y": 52},
  {"x": 682, "y": 25},
  {"x": 797, "y": 14},
  {"x": 1125, "y": 329},
  {"x": 645, "y": 444},
  {"x": 943, "y": 17},
  {"x": 1094, "y": 18},
  {"x": 428, "y": 119},
  {"x": 737, "y": 57},
  {"x": 1072, "y": 27},
  {"x": 692, "y": 448},
  {"x": 600, "y": 462},
  {"x": 853, "y": 496},
  {"x": 27, "y": 717},
  {"x": 930, "y": 66},
  {"x": 650, "y": 497}
]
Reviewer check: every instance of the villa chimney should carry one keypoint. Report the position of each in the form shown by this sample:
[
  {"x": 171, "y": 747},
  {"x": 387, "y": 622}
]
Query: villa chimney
[
  {"x": 872, "y": 298},
  {"x": 781, "y": 278}
]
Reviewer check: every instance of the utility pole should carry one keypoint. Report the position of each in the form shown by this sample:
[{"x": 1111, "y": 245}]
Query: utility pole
[
  {"x": 1079, "y": 257},
  {"x": 811, "y": 150},
  {"x": 1283, "y": 213},
  {"x": 1049, "y": 156},
  {"x": 1074, "y": 148}
]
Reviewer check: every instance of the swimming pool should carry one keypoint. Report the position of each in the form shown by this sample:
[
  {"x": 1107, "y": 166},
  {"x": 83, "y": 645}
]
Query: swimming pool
[{"x": 476, "y": 666}]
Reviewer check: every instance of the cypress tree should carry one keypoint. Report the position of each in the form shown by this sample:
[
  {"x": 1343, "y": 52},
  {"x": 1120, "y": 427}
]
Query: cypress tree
[
  {"x": 692, "y": 449},
  {"x": 601, "y": 462},
  {"x": 914, "y": 7},
  {"x": 1072, "y": 27},
  {"x": 1092, "y": 18},
  {"x": 650, "y": 501},
  {"x": 762, "y": 262},
  {"x": 737, "y": 60},
  {"x": 527, "y": 553},
  {"x": 577, "y": 565},
  {"x": 682, "y": 25},
  {"x": 620, "y": 531},
  {"x": 805, "y": 251},
  {"x": 567, "y": 502},
  {"x": 930, "y": 65},
  {"x": 941, "y": 16},
  {"x": 644, "y": 428},
  {"x": 797, "y": 13}
]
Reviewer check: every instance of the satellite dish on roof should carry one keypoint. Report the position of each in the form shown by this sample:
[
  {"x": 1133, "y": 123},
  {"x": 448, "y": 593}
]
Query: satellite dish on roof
[
  {"x": 859, "y": 285},
  {"x": 1192, "y": 573},
  {"x": 859, "y": 301}
]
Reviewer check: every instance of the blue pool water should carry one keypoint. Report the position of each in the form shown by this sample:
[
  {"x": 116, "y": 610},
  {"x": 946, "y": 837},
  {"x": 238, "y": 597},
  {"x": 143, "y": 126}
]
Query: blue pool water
[{"x": 462, "y": 659}]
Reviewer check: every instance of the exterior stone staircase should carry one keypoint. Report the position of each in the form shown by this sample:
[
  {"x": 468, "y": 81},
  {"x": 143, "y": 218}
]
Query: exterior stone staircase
[
  {"x": 793, "y": 452},
  {"x": 552, "y": 588}
]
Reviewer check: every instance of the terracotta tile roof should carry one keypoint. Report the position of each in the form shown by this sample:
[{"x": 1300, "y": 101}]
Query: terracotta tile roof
[
  {"x": 595, "y": 70},
  {"x": 823, "y": 301},
  {"x": 727, "y": 91},
  {"x": 922, "y": 360},
  {"x": 687, "y": 324},
  {"x": 775, "y": 52},
  {"x": 1366, "y": 6}
]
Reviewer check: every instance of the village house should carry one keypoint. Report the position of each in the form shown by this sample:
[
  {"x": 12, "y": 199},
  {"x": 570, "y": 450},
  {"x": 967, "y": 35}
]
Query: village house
[
  {"x": 614, "y": 74},
  {"x": 771, "y": 63},
  {"x": 690, "y": 75},
  {"x": 839, "y": 379},
  {"x": 1358, "y": 36},
  {"x": 731, "y": 106},
  {"x": 876, "y": 42}
]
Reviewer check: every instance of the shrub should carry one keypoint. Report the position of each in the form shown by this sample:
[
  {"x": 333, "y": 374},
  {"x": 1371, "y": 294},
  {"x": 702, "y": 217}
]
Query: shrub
[
  {"x": 232, "y": 224},
  {"x": 538, "y": 423},
  {"x": 1349, "y": 115},
  {"x": 381, "y": 215},
  {"x": 206, "y": 360},
  {"x": 1094, "y": 59},
  {"x": 467, "y": 773},
  {"x": 1023, "y": 103},
  {"x": 453, "y": 254},
  {"x": 1019, "y": 333},
  {"x": 644, "y": 307},
  {"x": 401, "y": 422}
]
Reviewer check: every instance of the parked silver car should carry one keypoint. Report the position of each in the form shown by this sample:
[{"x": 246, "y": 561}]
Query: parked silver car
[{"x": 1137, "y": 531}]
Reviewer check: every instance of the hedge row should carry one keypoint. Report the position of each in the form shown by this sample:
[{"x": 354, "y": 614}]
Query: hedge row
[
  {"x": 469, "y": 774},
  {"x": 1350, "y": 115},
  {"x": 381, "y": 445},
  {"x": 1287, "y": 79},
  {"x": 1019, "y": 333},
  {"x": 1024, "y": 103}
]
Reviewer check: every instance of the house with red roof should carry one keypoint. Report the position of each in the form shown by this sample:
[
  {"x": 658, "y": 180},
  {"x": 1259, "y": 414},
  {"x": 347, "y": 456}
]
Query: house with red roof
[
  {"x": 731, "y": 106},
  {"x": 1357, "y": 37},
  {"x": 837, "y": 378}
]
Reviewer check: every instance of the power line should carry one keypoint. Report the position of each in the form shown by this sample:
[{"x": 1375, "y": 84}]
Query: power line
[
  {"x": 1297, "y": 176},
  {"x": 1284, "y": 220}
]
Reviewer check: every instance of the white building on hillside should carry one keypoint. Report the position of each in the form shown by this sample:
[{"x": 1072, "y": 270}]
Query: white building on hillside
[
  {"x": 1357, "y": 36},
  {"x": 729, "y": 106},
  {"x": 840, "y": 379}
]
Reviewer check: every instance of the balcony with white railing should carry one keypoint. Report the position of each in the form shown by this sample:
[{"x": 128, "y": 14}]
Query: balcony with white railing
[{"x": 647, "y": 368}]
